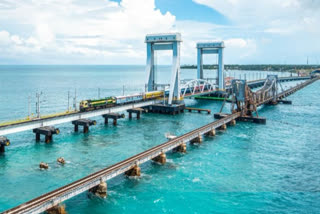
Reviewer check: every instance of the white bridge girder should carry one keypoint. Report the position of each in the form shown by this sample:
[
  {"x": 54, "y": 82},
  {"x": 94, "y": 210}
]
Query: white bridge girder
[{"x": 196, "y": 86}]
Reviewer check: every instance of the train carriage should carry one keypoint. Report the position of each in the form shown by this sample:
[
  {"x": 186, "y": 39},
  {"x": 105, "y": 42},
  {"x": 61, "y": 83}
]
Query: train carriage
[{"x": 120, "y": 100}]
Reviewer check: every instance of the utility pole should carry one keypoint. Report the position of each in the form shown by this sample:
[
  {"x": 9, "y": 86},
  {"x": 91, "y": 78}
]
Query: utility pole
[
  {"x": 38, "y": 104},
  {"x": 99, "y": 93},
  {"x": 68, "y": 101},
  {"x": 29, "y": 107},
  {"x": 75, "y": 100}
]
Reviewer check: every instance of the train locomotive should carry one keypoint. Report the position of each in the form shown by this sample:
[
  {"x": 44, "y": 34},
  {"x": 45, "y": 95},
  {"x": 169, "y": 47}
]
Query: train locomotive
[{"x": 89, "y": 105}]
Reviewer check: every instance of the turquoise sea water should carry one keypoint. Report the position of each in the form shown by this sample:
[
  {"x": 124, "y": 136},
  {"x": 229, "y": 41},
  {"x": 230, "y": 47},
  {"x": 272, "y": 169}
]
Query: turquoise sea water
[{"x": 247, "y": 169}]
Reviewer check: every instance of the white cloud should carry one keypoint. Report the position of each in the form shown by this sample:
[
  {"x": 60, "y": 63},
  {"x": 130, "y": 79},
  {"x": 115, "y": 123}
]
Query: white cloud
[
  {"x": 102, "y": 31},
  {"x": 272, "y": 16},
  {"x": 82, "y": 28}
]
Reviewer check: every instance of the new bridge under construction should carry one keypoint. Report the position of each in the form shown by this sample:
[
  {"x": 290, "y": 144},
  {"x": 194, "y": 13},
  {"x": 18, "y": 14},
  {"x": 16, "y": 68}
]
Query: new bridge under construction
[{"x": 245, "y": 97}]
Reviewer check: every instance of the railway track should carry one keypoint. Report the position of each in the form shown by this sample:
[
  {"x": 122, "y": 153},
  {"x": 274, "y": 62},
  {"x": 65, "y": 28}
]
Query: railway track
[{"x": 67, "y": 189}]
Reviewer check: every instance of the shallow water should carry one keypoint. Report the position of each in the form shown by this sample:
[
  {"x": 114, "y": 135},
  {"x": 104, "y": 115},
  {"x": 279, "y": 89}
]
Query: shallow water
[{"x": 249, "y": 168}]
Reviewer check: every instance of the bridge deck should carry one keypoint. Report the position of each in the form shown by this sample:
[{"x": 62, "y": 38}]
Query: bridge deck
[{"x": 64, "y": 118}]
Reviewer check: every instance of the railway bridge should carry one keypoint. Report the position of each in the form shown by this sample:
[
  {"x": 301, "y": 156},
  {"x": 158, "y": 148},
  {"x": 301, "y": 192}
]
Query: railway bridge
[
  {"x": 244, "y": 108},
  {"x": 177, "y": 91}
]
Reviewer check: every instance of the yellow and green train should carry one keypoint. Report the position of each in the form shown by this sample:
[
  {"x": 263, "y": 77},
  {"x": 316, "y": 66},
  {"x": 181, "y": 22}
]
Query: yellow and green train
[{"x": 89, "y": 105}]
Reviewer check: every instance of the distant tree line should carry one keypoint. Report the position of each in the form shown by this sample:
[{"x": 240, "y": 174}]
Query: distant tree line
[{"x": 264, "y": 67}]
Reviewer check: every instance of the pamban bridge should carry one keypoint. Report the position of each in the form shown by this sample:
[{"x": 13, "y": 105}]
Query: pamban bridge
[{"x": 245, "y": 99}]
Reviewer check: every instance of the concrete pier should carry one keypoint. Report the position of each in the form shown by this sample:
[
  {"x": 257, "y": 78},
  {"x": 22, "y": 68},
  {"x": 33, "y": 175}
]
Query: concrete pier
[
  {"x": 211, "y": 133},
  {"x": 113, "y": 116},
  {"x": 162, "y": 158},
  {"x": 47, "y": 131},
  {"x": 233, "y": 122},
  {"x": 4, "y": 141},
  {"x": 100, "y": 190},
  {"x": 166, "y": 109},
  {"x": 223, "y": 127},
  {"x": 135, "y": 171},
  {"x": 137, "y": 111},
  {"x": 259, "y": 120},
  {"x": 43, "y": 165},
  {"x": 182, "y": 148},
  {"x": 198, "y": 139},
  {"x": 58, "y": 209},
  {"x": 86, "y": 123}
]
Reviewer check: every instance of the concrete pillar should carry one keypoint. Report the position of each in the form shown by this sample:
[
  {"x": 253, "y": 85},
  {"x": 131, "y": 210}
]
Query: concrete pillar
[
  {"x": 223, "y": 127},
  {"x": 162, "y": 159},
  {"x": 43, "y": 165},
  {"x": 135, "y": 171},
  {"x": 85, "y": 129},
  {"x": 2, "y": 149},
  {"x": 211, "y": 132},
  {"x": 37, "y": 137},
  {"x": 100, "y": 190},
  {"x": 76, "y": 128},
  {"x": 130, "y": 115},
  {"x": 182, "y": 148},
  {"x": 105, "y": 120},
  {"x": 233, "y": 122},
  {"x": 114, "y": 122},
  {"x": 138, "y": 115},
  {"x": 59, "y": 209},
  {"x": 198, "y": 139},
  {"x": 48, "y": 138}
]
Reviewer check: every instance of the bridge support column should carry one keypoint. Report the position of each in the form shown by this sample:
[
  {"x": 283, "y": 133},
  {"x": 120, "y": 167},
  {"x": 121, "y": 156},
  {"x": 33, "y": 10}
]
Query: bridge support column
[
  {"x": 76, "y": 128},
  {"x": 233, "y": 122},
  {"x": 4, "y": 141},
  {"x": 100, "y": 190},
  {"x": 114, "y": 116},
  {"x": 47, "y": 131},
  {"x": 162, "y": 158},
  {"x": 135, "y": 171},
  {"x": 211, "y": 133},
  {"x": 136, "y": 111},
  {"x": 223, "y": 127},
  {"x": 83, "y": 122},
  {"x": 37, "y": 137},
  {"x": 182, "y": 148},
  {"x": 198, "y": 139},
  {"x": 165, "y": 109},
  {"x": 58, "y": 209}
]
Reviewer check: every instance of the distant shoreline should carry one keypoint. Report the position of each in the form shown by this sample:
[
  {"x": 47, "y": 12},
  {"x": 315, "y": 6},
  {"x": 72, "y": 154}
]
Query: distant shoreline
[{"x": 266, "y": 67}]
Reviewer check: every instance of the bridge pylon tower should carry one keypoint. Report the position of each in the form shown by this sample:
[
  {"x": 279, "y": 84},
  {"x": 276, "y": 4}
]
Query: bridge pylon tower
[
  {"x": 157, "y": 42},
  {"x": 211, "y": 48}
]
